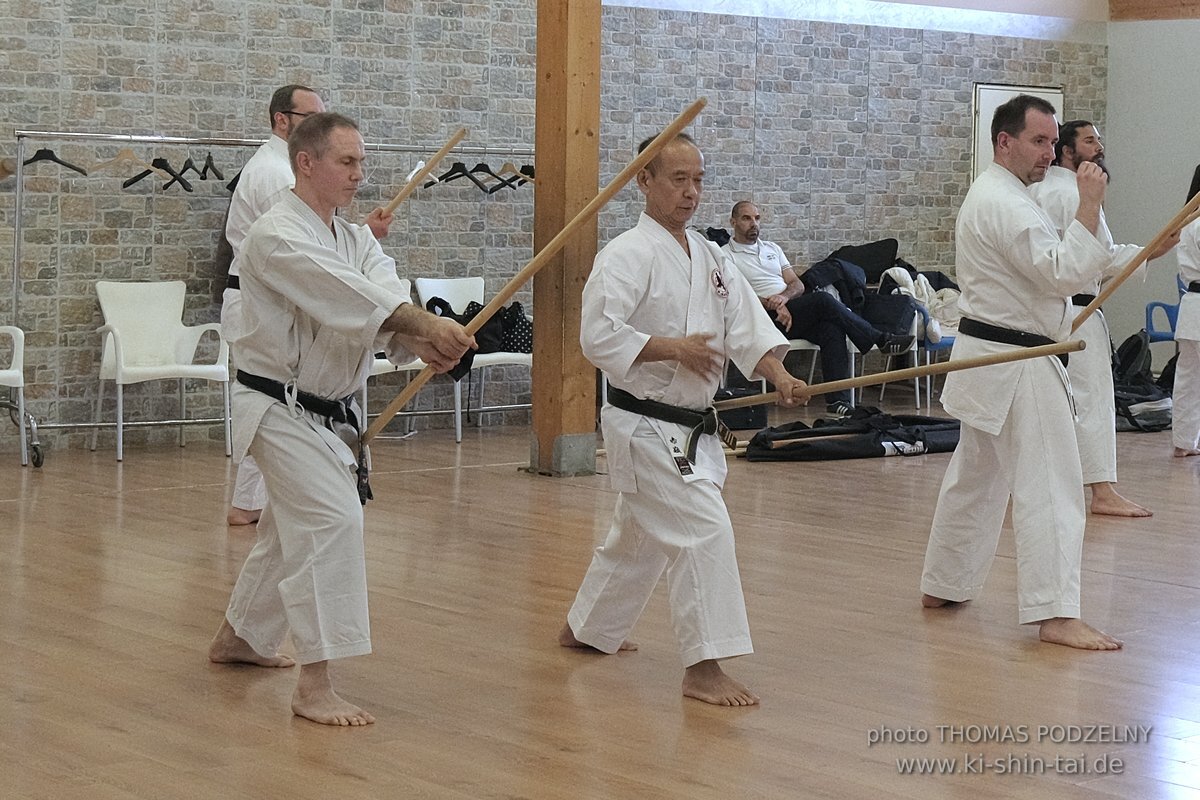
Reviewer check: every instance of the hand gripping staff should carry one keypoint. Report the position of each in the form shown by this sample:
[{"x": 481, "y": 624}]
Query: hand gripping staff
[
  {"x": 544, "y": 255},
  {"x": 1189, "y": 213}
]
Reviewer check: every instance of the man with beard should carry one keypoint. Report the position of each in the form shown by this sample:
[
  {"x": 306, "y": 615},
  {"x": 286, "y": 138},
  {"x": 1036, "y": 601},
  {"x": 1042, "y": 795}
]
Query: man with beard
[{"x": 1091, "y": 370}]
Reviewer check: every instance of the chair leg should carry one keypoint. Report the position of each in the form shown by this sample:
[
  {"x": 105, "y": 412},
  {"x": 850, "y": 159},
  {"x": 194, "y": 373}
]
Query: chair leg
[
  {"x": 916, "y": 381},
  {"x": 479, "y": 409},
  {"x": 228, "y": 421},
  {"x": 182, "y": 411},
  {"x": 457, "y": 411},
  {"x": 120, "y": 422},
  {"x": 96, "y": 417},
  {"x": 21, "y": 414}
]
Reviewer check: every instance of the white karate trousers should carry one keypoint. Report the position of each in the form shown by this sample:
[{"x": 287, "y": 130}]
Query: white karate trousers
[
  {"x": 673, "y": 526},
  {"x": 1035, "y": 461},
  {"x": 249, "y": 488},
  {"x": 1092, "y": 387},
  {"x": 1185, "y": 414},
  {"x": 307, "y": 570}
]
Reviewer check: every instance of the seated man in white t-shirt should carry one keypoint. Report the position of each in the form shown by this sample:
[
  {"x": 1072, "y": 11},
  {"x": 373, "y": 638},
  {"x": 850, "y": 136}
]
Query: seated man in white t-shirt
[{"x": 818, "y": 317}]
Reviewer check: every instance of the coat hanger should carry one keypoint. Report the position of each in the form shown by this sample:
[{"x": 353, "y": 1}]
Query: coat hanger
[
  {"x": 176, "y": 177},
  {"x": 127, "y": 156},
  {"x": 457, "y": 170},
  {"x": 46, "y": 154},
  {"x": 482, "y": 168},
  {"x": 516, "y": 176},
  {"x": 209, "y": 166},
  {"x": 189, "y": 164},
  {"x": 160, "y": 166}
]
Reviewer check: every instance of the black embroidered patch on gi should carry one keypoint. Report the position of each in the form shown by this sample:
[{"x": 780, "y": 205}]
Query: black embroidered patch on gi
[
  {"x": 684, "y": 466},
  {"x": 718, "y": 282}
]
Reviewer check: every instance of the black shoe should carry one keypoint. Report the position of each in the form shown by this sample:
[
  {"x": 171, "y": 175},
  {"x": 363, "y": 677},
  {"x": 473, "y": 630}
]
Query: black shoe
[
  {"x": 893, "y": 344},
  {"x": 838, "y": 409}
]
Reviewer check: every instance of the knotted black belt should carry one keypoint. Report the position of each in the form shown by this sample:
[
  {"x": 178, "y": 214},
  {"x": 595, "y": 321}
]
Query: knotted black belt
[
  {"x": 994, "y": 333},
  {"x": 1194, "y": 286},
  {"x": 700, "y": 422},
  {"x": 1083, "y": 300},
  {"x": 334, "y": 410}
]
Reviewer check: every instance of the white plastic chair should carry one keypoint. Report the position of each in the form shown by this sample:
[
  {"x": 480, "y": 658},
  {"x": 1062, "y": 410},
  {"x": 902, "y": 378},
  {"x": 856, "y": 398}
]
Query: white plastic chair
[
  {"x": 458, "y": 292},
  {"x": 381, "y": 366},
  {"x": 805, "y": 346},
  {"x": 14, "y": 378},
  {"x": 145, "y": 340}
]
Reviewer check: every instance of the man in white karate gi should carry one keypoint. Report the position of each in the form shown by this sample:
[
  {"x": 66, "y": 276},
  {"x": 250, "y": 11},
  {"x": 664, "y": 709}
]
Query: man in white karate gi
[
  {"x": 321, "y": 298},
  {"x": 1091, "y": 369},
  {"x": 1018, "y": 434},
  {"x": 662, "y": 310},
  {"x": 266, "y": 178}
]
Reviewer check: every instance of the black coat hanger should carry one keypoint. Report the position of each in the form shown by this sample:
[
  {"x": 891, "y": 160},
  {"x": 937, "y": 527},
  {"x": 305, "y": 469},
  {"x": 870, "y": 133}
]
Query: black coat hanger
[
  {"x": 46, "y": 154},
  {"x": 482, "y": 168},
  {"x": 190, "y": 165},
  {"x": 517, "y": 177},
  {"x": 457, "y": 170},
  {"x": 209, "y": 166},
  {"x": 176, "y": 177},
  {"x": 233, "y": 182}
]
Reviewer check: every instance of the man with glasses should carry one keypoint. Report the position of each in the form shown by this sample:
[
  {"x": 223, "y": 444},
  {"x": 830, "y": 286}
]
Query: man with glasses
[{"x": 266, "y": 178}]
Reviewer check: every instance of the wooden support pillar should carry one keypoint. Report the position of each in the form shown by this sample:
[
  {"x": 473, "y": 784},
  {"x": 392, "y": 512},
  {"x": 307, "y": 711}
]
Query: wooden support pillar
[{"x": 568, "y": 176}]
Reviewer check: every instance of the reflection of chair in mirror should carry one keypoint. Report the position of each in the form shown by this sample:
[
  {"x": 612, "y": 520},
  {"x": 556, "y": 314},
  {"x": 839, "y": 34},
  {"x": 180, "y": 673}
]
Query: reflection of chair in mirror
[
  {"x": 458, "y": 292},
  {"x": 14, "y": 378},
  {"x": 145, "y": 340}
]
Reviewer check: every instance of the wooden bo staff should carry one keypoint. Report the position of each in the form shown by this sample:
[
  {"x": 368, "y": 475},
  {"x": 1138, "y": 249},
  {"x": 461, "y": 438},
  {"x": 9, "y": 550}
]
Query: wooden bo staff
[
  {"x": 423, "y": 173},
  {"x": 1187, "y": 214},
  {"x": 940, "y": 368},
  {"x": 544, "y": 255}
]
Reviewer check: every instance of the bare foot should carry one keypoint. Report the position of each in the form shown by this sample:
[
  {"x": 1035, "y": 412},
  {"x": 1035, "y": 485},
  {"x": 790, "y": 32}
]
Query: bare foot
[
  {"x": 1077, "y": 633},
  {"x": 1105, "y": 500},
  {"x": 1181, "y": 452},
  {"x": 242, "y": 516},
  {"x": 708, "y": 682},
  {"x": 229, "y": 648},
  {"x": 566, "y": 637},
  {"x": 929, "y": 601},
  {"x": 315, "y": 699}
]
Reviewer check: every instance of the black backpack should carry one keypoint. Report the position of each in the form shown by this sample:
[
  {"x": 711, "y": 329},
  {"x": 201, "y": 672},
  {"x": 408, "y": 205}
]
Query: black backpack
[{"x": 1140, "y": 403}]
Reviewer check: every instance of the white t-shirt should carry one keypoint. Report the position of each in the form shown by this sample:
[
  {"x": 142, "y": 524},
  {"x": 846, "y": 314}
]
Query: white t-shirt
[{"x": 762, "y": 263}]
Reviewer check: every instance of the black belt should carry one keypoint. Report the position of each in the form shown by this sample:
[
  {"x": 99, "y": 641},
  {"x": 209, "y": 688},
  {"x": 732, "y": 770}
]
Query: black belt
[
  {"x": 335, "y": 410},
  {"x": 994, "y": 333},
  {"x": 232, "y": 282},
  {"x": 699, "y": 421},
  {"x": 1194, "y": 286},
  {"x": 1083, "y": 300}
]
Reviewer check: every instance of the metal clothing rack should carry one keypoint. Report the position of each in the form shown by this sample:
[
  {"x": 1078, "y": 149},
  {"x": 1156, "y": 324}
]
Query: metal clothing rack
[{"x": 128, "y": 138}]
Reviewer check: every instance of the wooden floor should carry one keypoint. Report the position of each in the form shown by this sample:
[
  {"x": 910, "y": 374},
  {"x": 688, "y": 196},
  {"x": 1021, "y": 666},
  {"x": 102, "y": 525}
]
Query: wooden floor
[{"x": 114, "y": 577}]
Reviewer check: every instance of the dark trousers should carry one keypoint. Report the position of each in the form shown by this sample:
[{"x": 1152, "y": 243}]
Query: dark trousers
[{"x": 825, "y": 321}]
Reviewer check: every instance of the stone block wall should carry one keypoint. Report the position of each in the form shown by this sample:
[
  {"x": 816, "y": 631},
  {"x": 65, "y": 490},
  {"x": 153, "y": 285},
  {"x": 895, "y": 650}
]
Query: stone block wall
[{"x": 843, "y": 133}]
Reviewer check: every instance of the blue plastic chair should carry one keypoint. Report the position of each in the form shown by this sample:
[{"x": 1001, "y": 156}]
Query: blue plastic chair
[{"x": 1170, "y": 311}]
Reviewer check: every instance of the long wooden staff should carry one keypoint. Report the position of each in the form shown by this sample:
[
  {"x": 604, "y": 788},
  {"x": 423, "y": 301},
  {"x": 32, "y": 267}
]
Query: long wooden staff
[
  {"x": 940, "y": 368},
  {"x": 544, "y": 255},
  {"x": 1186, "y": 214},
  {"x": 423, "y": 173}
]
